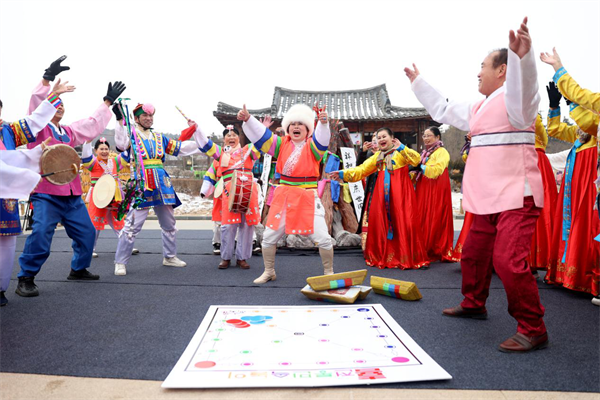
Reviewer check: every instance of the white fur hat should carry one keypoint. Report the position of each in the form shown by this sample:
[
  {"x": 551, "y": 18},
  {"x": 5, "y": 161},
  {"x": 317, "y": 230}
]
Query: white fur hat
[{"x": 299, "y": 113}]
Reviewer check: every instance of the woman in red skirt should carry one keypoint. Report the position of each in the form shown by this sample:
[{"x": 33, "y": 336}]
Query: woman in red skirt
[
  {"x": 575, "y": 258},
  {"x": 434, "y": 197},
  {"x": 101, "y": 164},
  {"x": 394, "y": 239}
]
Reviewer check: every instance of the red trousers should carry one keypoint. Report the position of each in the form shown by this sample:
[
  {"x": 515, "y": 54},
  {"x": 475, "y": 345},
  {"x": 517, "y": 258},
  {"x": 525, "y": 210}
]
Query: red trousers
[{"x": 502, "y": 241}]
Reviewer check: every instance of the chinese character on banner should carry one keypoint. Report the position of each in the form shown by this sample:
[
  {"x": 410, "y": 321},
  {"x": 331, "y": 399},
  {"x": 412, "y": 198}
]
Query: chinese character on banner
[{"x": 356, "y": 190}]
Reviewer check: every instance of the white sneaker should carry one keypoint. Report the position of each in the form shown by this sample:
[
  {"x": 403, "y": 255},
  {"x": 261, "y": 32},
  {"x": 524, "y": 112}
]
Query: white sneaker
[
  {"x": 173, "y": 262},
  {"x": 94, "y": 255},
  {"x": 135, "y": 251},
  {"x": 120, "y": 269},
  {"x": 596, "y": 301}
]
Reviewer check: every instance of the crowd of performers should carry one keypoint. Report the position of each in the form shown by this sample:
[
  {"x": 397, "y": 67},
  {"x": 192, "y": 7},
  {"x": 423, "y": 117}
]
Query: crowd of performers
[{"x": 516, "y": 221}]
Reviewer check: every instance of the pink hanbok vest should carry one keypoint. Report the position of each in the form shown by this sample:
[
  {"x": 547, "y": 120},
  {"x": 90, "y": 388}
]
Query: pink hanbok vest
[{"x": 500, "y": 158}]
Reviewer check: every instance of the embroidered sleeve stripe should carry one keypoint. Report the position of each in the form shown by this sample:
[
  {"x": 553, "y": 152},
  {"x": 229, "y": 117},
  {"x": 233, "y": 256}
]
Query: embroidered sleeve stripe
[
  {"x": 54, "y": 100},
  {"x": 173, "y": 147},
  {"x": 22, "y": 132},
  {"x": 318, "y": 154},
  {"x": 554, "y": 113},
  {"x": 559, "y": 74}
]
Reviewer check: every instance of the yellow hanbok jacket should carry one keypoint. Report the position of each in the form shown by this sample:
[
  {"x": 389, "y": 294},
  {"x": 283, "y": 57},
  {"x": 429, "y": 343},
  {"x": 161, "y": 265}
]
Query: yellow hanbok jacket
[
  {"x": 572, "y": 91},
  {"x": 400, "y": 159}
]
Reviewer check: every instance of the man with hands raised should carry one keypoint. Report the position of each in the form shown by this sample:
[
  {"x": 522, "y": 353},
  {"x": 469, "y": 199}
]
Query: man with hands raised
[
  {"x": 62, "y": 203},
  {"x": 502, "y": 185}
]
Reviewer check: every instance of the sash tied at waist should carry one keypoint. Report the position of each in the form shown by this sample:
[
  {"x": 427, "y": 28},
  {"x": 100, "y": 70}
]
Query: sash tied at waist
[{"x": 503, "y": 139}]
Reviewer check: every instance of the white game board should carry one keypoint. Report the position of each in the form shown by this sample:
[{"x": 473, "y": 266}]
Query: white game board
[{"x": 293, "y": 346}]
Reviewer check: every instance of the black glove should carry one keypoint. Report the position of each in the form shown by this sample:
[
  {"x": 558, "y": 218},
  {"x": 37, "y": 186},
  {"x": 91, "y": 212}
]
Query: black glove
[
  {"x": 55, "y": 68},
  {"x": 114, "y": 91},
  {"x": 117, "y": 111},
  {"x": 553, "y": 95}
]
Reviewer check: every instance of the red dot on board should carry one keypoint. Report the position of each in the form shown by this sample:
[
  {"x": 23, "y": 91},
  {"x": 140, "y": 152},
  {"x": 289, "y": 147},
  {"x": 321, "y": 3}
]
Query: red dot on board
[{"x": 205, "y": 364}]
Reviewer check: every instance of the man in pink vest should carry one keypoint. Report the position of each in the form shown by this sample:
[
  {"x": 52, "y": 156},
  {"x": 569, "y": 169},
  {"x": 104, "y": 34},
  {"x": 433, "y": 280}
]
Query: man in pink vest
[
  {"x": 502, "y": 185},
  {"x": 62, "y": 203}
]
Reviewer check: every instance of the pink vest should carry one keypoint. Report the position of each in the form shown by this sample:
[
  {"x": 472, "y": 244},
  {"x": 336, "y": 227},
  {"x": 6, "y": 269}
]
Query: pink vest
[
  {"x": 499, "y": 161},
  {"x": 73, "y": 188}
]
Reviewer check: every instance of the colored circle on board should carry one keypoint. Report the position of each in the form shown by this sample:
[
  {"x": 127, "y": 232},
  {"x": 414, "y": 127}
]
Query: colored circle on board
[
  {"x": 323, "y": 324},
  {"x": 390, "y": 347},
  {"x": 235, "y": 321},
  {"x": 245, "y": 352},
  {"x": 357, "y": 349},
  {"x": 247, "y": 364},
  {"x": 345, "y": 316},
  {"x": 276, "y": 341},
  {"x": 360, "y": 361},
  {"x": 205, "y": 364},
  {"x": 381, "y": 336},
  {"x": 363, "y": 310},
  {"x": 322, "y": 362},
  {"x": 369, "y": 318},
  {"x": 374, "y": 326},
  {"x": 285, "y": 363},
  {"x": 400, "y": 359},
  {"x": 323, "y": 340},
  {"x": 212, "y": 351}
]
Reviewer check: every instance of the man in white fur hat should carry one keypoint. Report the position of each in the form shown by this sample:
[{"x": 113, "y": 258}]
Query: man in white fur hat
[{"x": 296, "y": 208}]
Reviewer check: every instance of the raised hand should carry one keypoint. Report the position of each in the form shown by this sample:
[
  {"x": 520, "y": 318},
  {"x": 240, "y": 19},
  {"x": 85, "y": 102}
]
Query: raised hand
[
  {"x": 191, "y": 122},
  {"x": 243, "y": 114},
  {"x": 367, "y": 145},
  {"x": 520, "y": 43},
  {"x": 323, "y": 117},
  {"x": 60, "y": 88},
  {"x": 554, "y": 95},
  {"x": 552, "y": 59},
  {"x": 412, "y": 73},
  {"x": 55, "y": 68},
  {"x": 116, "y": 109},
  {"x": 114, "y": 91},
  {"x": 397, "y": 143},
  {"x": 267, "y": 121}
]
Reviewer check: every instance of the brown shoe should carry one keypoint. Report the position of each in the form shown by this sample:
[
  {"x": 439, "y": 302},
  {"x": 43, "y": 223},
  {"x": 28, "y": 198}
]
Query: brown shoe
[
  {"x": 459, "y": 312},
  {"x": 224, "y": 264},
  {"x": 242, "y": 264},
  {"x": 520, "y": 343}
]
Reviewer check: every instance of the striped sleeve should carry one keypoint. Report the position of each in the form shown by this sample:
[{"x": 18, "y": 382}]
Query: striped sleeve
[
  {"x": 212, "y": 149},
  {"x": 22, "y": 132},
  {"x": 88, "y": 162},
  {"x": 318, "y": 150},
  {"x": 172, "y": 146},
  {"x": 211, "y": 175}
]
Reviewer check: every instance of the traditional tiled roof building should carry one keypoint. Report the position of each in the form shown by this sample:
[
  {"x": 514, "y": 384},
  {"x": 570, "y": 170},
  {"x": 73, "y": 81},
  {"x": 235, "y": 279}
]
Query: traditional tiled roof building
[{"x": 362, "y": 111}]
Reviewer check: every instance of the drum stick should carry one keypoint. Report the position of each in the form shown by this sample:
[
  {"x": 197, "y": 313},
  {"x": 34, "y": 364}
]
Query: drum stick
[
  {"x": 73, "y": 168},
  {"x": 184, "y": 116}
]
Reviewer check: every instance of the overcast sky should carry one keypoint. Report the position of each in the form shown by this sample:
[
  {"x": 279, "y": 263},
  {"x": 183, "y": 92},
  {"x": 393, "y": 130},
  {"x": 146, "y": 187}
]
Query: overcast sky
[{"x": 194, "y": 54}]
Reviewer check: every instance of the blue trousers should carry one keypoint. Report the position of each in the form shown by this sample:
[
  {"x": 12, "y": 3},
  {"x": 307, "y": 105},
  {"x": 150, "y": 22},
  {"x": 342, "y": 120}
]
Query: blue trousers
[{"x": 48, "y": 211}]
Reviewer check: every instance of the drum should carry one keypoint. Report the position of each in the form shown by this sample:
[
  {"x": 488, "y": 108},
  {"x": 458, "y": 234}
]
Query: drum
[
  {"x": 104, "y": 191},
  {"x": 241, "y": 192},
  {"x": 59, "y": 164}
]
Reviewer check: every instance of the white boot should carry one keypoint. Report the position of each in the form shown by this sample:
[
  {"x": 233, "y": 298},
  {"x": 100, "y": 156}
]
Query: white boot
[
  {"x": 173, "y": 262},
  {"x": 120, "y": 269},
  {"x": 327, "y": 260},
  {"x": 269, "y": 260}
]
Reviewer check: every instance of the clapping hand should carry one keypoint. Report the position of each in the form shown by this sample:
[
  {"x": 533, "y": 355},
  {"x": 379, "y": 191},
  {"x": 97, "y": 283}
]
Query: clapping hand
[
  {"x": 520, "y": 43},
  {"x": 553, "y": 95},
  {"x": 243, "y": 114},
  {"x": 55, "y": 68},
  {"x": 552, "y": 59},
  {"x": 412, "y": 73},
  {"x": 60, "y": 88},
  {"x": 267, "y": 121}
]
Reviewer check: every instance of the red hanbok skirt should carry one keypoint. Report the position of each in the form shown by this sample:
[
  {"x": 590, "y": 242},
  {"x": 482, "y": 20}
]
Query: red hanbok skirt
[
  {"x": 581, "y": 268},
  {"x": 539, "y": 256},
  {"x": 462, "y": 238},
  {"x": 434, "y": 198},
  {"x": 405, "y": 250}
]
